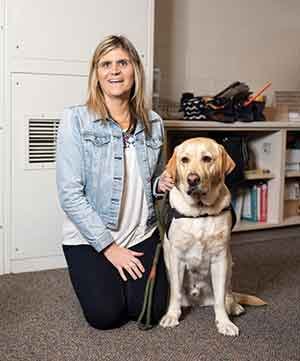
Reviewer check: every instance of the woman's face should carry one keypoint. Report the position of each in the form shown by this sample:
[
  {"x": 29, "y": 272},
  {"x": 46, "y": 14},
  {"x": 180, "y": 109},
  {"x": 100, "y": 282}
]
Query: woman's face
[{"x": 116, "y": 74}]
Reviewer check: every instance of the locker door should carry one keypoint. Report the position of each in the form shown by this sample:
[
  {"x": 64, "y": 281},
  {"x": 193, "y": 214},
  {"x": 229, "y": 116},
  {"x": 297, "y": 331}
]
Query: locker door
[
  {"x": 1, "y": 204},
  {"x": 70, "y": 30},
  {"x": 37, "y": 104}
]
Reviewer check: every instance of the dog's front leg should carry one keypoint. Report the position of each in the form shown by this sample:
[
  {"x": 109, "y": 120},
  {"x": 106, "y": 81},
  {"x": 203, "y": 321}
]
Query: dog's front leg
[
  {"x": 176, "y": 272},
  {"x": 219, "y": 269}
]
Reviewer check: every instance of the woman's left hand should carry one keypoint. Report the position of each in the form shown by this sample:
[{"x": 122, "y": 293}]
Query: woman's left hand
[{"x": 165, "y": 183}]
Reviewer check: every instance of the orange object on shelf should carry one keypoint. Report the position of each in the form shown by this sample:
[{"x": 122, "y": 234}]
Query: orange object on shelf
[{"x": 257, "y": 94}]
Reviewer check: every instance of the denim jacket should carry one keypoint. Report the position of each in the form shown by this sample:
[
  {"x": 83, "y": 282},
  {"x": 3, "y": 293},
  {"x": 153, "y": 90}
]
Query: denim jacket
[{"x": 90, "y": 171}]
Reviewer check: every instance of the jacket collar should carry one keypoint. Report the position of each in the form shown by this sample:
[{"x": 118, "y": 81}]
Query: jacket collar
[
  {"x": 139, "y": 127},
  {"x": 94, "y": 117}
]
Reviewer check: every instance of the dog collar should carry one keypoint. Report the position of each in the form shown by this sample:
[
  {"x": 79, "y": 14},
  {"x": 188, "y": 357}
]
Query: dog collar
[
  {"x": 174, "y": 214},
  {"x": 177, "y": 214}
]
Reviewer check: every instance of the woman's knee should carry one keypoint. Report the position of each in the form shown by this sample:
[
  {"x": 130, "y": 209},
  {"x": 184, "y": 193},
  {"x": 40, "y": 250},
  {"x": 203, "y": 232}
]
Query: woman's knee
[{"x": 104, "y": 319}]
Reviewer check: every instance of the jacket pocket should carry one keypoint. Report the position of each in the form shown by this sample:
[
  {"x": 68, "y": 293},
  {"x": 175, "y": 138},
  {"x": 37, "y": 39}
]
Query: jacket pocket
[
  {"x": 95, "y": 139},
  {"x": 96, "y": 153},
  {"x": 154, "y": 143}
]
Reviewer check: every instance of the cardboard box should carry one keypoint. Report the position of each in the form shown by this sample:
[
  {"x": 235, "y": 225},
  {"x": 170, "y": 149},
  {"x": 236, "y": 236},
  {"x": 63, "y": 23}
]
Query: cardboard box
[
  {"x": 291, "y": 208},
  {"x": 293, "y": 155},
  {"x": 280, "y": 113},
  {"x": 292, "y": 191}
]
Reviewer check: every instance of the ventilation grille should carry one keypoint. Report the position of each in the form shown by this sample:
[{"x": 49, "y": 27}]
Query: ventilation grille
[{"x": 42, "y": 135}]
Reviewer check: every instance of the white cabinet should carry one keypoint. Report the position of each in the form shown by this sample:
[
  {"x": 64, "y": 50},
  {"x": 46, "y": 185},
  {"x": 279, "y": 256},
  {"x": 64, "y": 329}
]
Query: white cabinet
[
  {"x": 36, "y": 216},
  {"x": 60, "y": 36},
  {"x": 70, "y": 30},
  {"x": 291, "y": 206},
  {"x": 1, "y": 178},
  {"x": 44, "y": 64},
  {"x": 2, "y": 260}
]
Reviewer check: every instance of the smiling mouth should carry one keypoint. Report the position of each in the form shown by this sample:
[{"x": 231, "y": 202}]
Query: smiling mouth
[{"x": 115, "y": 81}]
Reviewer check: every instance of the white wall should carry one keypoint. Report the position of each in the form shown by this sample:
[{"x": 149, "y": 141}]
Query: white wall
[{"x": 202, "y": 46}]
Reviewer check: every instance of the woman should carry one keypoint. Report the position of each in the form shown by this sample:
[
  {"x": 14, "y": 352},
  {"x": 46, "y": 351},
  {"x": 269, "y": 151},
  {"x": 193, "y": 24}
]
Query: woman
[{"x": 109, "y": 157}]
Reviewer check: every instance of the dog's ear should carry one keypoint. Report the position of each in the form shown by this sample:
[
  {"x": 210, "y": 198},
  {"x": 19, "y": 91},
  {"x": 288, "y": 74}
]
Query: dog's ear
[
  {"x": 227, "y": 162},
  {"x": 171, "y": 166}
]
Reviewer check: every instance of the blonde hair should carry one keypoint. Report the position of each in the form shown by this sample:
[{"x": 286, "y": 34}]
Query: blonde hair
[{"x": 95, "y": 100}]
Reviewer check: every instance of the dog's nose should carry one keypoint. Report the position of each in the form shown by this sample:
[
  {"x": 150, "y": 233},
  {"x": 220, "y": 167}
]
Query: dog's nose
[{"x": 193, "y": 179}]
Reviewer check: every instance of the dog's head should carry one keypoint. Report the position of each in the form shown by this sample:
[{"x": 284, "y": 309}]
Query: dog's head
[{"x": 198, "y": 167}]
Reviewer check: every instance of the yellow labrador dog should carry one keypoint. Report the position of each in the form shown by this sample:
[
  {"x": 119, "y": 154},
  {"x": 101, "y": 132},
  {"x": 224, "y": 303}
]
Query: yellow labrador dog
[{"x": 196, "y": 246}]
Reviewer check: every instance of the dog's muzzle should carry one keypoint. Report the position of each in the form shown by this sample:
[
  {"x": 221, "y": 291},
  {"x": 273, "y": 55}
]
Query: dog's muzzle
[
  {"x": 195, "y": 185},
  {"x": 193, "y": 179}
]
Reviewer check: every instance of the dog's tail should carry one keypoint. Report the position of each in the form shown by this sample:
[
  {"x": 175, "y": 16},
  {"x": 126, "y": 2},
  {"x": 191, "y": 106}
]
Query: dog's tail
[{"x": 250, "y": 300}]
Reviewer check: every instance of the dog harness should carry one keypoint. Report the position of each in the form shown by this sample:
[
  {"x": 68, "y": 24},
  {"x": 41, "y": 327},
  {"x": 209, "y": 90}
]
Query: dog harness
[{"x": 174, "y": 214}]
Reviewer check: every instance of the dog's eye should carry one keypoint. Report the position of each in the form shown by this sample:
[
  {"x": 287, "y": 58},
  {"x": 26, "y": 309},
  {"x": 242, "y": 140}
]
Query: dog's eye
[
  {"x": 206, "y": 159},
  {"x": 185, "y": 160}
]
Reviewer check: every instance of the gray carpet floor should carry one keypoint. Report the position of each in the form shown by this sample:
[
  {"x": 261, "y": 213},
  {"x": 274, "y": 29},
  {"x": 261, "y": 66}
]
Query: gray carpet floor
[{"x": 40, "y": 318}]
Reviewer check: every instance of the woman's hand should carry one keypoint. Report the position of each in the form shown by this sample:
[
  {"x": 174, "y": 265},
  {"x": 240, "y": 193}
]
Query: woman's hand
[
  {"x": 165, "y": 183},
  {"x": 125, "y": 259}
]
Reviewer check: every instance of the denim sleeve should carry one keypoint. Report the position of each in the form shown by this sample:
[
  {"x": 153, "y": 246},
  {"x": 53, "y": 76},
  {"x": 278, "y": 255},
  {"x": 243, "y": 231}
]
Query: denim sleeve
[
  {"x": 70, "y": 183},
  {"x": 160, "y": 163}
]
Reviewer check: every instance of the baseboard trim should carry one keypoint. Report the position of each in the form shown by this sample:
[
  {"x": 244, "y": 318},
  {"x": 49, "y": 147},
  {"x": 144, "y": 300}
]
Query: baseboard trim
[{"x": 37, "y": 264}]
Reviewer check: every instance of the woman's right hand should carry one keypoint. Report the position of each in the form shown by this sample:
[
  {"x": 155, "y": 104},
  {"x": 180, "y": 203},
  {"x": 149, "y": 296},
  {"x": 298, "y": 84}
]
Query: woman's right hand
[
  {"x": 165, "y": 183},
  {"x": 125, "y": 259}
]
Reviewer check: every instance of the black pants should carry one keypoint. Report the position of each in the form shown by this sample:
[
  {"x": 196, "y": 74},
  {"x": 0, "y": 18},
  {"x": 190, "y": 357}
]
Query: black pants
[{"x": 106, "y": 300}]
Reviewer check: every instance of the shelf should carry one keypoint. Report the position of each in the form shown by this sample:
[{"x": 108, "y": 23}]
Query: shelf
[
  {"x": 291, "y": 221},
  {"x": 258, "y": 177},
  {"x": 236, "y": 126},
  {"x": 292, "y": 174},
  {"x": 267, "y": 142},
  {"x": 258, "y": 174},
  {"x": 251, "y": 226}
]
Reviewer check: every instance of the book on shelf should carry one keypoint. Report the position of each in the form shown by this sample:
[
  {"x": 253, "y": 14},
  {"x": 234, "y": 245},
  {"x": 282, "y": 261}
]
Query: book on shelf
[
  {"x": 251, "y": 203},
  {"x": 263, "y": 202},
  {"x": 246, "y": 208},
  {"x": 254, "y": 204}
]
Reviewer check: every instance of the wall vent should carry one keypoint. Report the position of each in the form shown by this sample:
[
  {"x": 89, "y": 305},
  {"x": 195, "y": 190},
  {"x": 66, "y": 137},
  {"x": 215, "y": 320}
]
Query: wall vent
[{"x": 41, "y": 150}]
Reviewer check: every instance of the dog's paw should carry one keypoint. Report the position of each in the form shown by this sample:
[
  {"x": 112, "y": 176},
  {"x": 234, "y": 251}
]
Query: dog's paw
[
  {"x": 236, "y": 309},
  {"x": 170, "y": 319},
  {"x": 232, "y": 307},
  {"x": 227, "y": 328}
]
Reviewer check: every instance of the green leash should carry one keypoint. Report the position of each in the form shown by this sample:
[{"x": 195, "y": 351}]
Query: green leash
[
  {"x": 144, "y": 320},
  {"x": 145, "y": 324}
]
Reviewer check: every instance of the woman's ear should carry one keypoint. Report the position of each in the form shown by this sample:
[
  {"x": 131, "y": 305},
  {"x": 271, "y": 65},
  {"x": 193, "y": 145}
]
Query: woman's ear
[
  {"x": 171, "y": 166},
  {"x": 228, "y": 163}
]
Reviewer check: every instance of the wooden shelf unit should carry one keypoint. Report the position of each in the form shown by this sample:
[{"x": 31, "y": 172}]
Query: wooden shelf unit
[{"x": 267, "y": 141}]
